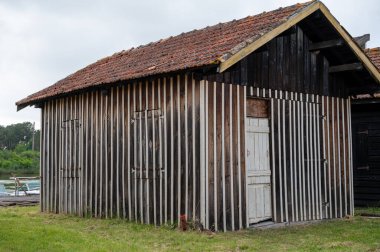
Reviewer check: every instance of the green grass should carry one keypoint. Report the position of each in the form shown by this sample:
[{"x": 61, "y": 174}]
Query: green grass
[
  {"x": 367, "y": 211},
  {"x": 25, "y": 229}
]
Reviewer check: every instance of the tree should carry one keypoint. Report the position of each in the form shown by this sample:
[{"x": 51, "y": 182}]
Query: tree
[{"x": 14, "y": 134}]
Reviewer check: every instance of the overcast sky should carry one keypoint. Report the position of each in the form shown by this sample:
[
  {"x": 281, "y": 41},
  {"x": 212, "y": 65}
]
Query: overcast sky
[{"x": 43, "y": 41}]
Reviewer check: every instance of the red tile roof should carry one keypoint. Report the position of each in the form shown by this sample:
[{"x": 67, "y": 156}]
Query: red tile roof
[
  {"x": 374, "y": 56},
  {"x": 193, "y": 49}
]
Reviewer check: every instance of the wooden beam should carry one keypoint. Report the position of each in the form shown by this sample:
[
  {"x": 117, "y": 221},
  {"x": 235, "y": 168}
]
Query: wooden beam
[
  {"x": 227, "y": 62},
  {"x": 346, "y": 67},
  {"x": 326, "y": 44},
  {"x": 362, "y": 40},
  {"x": 356, "y": 49}
]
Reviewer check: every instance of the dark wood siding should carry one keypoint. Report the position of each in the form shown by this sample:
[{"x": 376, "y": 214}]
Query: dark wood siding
[
  {"x": 366, "y": 158},
  {"x": 285, "y": 63}
]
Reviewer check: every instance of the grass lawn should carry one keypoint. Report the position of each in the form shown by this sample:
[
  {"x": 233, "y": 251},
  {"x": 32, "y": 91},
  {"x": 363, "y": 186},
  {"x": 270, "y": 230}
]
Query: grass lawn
[
  {"x": 375, "y": 211},
  {"x": 25, "y": 229}
]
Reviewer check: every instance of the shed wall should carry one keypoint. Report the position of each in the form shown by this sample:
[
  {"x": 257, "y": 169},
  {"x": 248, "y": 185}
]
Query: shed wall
[
  {"x": 128, "y": 151},
  {"x": 310, "y": 156},
  {"x": 366, "y": 158}
]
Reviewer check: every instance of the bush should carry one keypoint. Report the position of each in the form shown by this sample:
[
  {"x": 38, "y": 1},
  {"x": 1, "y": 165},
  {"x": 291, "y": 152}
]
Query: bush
[{"x": 19, "y": 160}]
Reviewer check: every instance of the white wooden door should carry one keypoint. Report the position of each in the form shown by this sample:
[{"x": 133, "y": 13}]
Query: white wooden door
[{"x": 259, "y": 201}]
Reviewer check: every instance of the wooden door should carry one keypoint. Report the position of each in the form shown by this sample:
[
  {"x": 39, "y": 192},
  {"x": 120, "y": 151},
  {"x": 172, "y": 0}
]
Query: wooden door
[
  {"x": 259, "y": 202},
  {"x": 148, "y": 164},
  {"x": 70, "y": 192}
]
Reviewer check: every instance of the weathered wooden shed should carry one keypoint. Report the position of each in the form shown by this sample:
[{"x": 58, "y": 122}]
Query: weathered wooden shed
[
  {"x": 366, "y": 143},
  {"x": 229, "y": 125}
]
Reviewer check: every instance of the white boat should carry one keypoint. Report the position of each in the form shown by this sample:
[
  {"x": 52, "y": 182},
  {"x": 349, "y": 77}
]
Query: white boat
[
  {"x": 26, "y": 188},
  {"x": 3, "y": 191}
]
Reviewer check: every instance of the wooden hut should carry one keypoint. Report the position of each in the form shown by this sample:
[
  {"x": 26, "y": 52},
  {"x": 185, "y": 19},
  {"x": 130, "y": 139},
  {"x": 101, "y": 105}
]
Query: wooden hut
[
  {"x": 226, "y": 126},
  {"x": 366, "y": 143}
]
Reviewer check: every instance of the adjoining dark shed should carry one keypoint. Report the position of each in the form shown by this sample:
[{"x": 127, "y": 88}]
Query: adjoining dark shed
[
  {"x": 366, "y": 143},
  {"x": 230, "y": 125}
]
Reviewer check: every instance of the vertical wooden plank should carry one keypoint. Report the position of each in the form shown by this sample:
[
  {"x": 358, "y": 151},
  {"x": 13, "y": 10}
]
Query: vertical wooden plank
[
  {"x": 186, "y": 149},
  {"x": 328, "y": 119},
  {"x": 81, "y": 143},
  {"x": 285, "y": 148},
  {"x": 203, "y": 152},
  {"x": 299, "y": 163},
  {"x": 154, "y": 168},
  {"x": 65, "y": 156},
  {"x": 273, "y": 154},
  {"x": 50, "y": 152},
  {"x": 103, "y": 169},
  {"x": 160, "y": 173},
  {"x": 56, "y": 158},
  {"x": 295, "y": 157},
  {"x": 333, "y": 108},
  {"x": 179, "y": 161},
  {"x": 316, "y": 158},
  {"x": 165, "y": 155},
  {"x": 239, "y": 157},
  {"x": 172, "y": 152},
  {"x": 303, "y": 149},
  {"x": 135, "y": 125},
  {"x": 42, "y": 163},
  {"x": 60, "y": 192},
  {"x": 93, "y": 163},
  {"x": 211, "y": 159},
  {"x": 44, "y": 158},
  {"x": 231, "y": 147},
  {"x": 319, "y": 157},
  {"x": 140, "y": 146},
  {"x": 47, "y": 165},
  {"x": 70, "y": 157},
  {"x": 308, "y": 156},
  {"x": 215, "y": 159},
  {"x": 243, "y": 153},
  {"x": 47, "y": 158},
  {"x": 324, "y": 157},
  {"x": 75, "y": 154},
  {"x": 352, "y": 209},
  {"x": 339, "y": 174},
  {"x": 119, "y": 136},
  {"x": 291, "y": 144},
  {"x": 280, "y": 151},
  {"x": 146, "y": 162},
  {"x": 161, "y": 150},
  {"x": 126, "y": 153},
  {"x": 223, "y": 160},
  {"x": 344, "y": 158},
  {"x": 193, "y": 140},
  {"x": 312, "y": 155},
  {"x": 207, "y": 151}
]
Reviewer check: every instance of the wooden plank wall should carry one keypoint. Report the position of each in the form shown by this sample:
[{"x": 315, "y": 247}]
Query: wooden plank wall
[
  {"x": 285, "y": 63},
  {"x": 311, "y": 155},
  {"x": 225, "y": 191},
  {"x": 130, "y": 151},
  {"x": 366, "y": 153}
]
